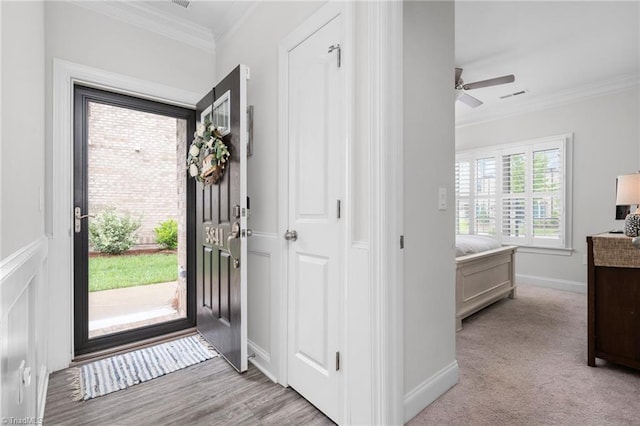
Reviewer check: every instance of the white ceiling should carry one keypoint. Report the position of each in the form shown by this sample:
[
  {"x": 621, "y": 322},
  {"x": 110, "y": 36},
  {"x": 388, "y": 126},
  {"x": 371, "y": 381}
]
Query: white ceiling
[{"x": 556, "y": 50}]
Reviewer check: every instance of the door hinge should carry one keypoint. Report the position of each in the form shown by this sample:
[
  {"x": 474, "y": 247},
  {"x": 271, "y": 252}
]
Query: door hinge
[
  {"x": 401, "y": 241},
  {"x": 337, "y": 361},
  {"x": 338, "y": 209},
  {"x": 336, "y": 47}
]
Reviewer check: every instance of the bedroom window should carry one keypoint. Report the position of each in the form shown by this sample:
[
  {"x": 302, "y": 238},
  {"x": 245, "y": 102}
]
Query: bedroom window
[{"x": 518, "y": 193}]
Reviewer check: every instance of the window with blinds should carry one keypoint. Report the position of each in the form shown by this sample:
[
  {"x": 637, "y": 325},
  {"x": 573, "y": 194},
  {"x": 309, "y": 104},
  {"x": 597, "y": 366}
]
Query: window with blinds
[
  {"x": 513, "y": 196},
  {"x": 517, "y": 193},
  {"x": 485, "y": 196},
  {"x": 463, "y": 187}
]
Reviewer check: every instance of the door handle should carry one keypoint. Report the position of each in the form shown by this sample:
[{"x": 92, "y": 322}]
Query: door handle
[
  {"x": 78, "y": 216},
  {"x": 291, "y": 235},
  {"x": 233, "y": 244}
]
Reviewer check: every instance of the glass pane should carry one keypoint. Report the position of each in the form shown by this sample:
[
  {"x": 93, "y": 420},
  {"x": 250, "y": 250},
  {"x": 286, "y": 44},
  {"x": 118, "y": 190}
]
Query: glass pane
[
  {"x": 486, "y": 176},
  {"x": 546, "y": 170},
  {"x": 513, "y": 217},
  {"x": 136, "y": 193},
  {"x": 463, "y": 178},
  {"x": 462, "y": 216},
  {"x": 221, "y": 115},
  {"x": 547, "y": 212},
  {"x": 513, "y": 174},
  {"x": 485, "y": 221}
]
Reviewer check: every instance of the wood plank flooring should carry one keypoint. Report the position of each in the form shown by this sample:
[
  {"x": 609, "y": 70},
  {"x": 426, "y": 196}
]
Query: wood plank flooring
[{"x": 209, "y": 393}]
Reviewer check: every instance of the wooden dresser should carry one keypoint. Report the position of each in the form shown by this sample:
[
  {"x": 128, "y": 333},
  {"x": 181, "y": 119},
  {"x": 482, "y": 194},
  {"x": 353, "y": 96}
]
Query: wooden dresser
[{"x": 613, "y": 300}]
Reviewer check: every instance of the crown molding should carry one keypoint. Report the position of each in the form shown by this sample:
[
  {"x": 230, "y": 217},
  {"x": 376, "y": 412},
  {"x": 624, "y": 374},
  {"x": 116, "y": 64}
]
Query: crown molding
[
  {"x": 151, "y": 19},
  {"x": 577, "y": 94}
]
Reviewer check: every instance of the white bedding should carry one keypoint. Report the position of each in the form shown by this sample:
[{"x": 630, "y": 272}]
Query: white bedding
[{"x": 470, "y": 244}]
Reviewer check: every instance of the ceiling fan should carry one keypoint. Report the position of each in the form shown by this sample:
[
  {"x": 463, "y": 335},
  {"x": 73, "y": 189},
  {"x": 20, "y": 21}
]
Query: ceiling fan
[{"x": 461, "y": 87}]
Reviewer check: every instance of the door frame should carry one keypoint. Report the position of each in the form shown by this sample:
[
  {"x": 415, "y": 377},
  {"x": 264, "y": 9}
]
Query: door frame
[
  {"x": 59, "y": 223},
  {"x": 82, "y": 343},
  {"x": 316, "y": 21}
]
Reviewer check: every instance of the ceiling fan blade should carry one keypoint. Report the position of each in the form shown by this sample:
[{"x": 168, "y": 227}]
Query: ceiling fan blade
[
  {"x": 491, "y": 82},
  {"x": 458, "y": 75},
  {"x": 468, "y": 99}
]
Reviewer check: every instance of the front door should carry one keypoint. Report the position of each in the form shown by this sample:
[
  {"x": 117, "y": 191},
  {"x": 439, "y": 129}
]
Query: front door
[
  {"x": 221, "y": 223},
  {"x": 317, "y": 151}
]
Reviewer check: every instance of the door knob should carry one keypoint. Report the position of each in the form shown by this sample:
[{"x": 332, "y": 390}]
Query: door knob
[{"x": 291, "y": 235}]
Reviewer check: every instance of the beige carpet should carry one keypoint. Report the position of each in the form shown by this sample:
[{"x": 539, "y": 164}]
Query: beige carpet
[{"x": 524, "y": 362}]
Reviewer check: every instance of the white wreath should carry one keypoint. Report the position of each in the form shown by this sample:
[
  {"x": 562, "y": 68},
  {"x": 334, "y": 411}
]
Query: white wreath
[{"x": 207, "y": 155}]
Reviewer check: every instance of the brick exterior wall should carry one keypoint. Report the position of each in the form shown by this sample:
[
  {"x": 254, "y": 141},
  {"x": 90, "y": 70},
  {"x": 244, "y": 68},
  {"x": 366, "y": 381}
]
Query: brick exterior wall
[
  {"x": 132, "y": 165},
  {"x": 136, "y": 162}
]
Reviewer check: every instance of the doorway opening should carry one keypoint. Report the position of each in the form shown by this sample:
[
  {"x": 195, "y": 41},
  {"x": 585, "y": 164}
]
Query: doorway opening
[{"x": 131, "y": 219}]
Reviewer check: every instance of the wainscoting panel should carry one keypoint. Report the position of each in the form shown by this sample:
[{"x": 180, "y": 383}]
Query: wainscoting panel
[
  {"x": 263, "y": 286},
  {"x": 23, "y": 332}
]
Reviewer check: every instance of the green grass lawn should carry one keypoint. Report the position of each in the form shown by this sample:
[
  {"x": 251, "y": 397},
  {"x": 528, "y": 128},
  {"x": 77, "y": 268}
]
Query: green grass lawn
[{"x": 122, "y": 271}]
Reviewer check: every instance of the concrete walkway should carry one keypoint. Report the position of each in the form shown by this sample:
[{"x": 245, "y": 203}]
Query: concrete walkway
[{"x": 114, "y": 310}]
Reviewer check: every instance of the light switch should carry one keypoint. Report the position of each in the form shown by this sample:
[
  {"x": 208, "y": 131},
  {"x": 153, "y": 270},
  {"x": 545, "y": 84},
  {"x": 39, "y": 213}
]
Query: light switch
[{"x": 442, "y": 198}]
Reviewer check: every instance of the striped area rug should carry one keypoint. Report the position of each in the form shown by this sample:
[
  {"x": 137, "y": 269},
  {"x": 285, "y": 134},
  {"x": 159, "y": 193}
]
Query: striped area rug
[{"x": 121, "y": 371}]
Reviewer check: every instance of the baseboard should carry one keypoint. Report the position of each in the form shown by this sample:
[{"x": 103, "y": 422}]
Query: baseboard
[
  {"x": 566, "y": 285},
  {"x": 42, "y": 396},
  {"x": 428, "y": 391},
  {"x": 256, "y": 362},
  {"x": 261, "y": 360}
]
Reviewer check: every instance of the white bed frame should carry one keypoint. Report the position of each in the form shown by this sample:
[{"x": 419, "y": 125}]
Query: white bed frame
[{"x": 482, "y": 279}]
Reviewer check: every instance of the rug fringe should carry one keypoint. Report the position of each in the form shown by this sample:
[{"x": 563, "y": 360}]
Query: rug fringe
[
  {"x": 207, "y": 345},
  {"x": 77, "y": 393}
]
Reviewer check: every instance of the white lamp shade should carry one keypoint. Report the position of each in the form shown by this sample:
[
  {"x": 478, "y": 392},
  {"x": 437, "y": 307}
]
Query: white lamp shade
[{"x": 628, "y": 191}]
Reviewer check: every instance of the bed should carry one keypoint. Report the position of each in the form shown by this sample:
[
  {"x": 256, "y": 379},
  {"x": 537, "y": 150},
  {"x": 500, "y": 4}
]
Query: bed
[{"x": 485, "y": 273}]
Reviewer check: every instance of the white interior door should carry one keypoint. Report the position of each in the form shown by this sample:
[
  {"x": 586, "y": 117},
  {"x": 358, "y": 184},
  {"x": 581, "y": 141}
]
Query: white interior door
[{"x": 316, "y": 187}]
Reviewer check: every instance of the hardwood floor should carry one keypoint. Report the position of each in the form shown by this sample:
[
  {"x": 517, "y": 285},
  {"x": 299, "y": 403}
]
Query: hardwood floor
[{"x": 209, "y": 393}]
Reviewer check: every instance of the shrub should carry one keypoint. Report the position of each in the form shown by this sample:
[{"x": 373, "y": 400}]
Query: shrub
[
  {"x": 167, "y": 234},
  {"x": 112, "y": 233}
]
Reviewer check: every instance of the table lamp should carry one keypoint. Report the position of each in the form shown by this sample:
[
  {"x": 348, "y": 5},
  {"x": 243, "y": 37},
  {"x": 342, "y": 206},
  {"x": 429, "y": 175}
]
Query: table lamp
[{"x": 628, "y": 193}]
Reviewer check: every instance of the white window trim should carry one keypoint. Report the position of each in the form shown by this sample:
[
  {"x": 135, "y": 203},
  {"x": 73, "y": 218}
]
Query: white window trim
[{"x": 566, "y": 152}]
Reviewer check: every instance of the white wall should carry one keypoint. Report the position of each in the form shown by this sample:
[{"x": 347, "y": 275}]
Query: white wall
[
  {"x": 23, "y": 247},
  {"x": 430, "y": 366},
  {"x": 23, "y": 148},
  {"x": 87, "y": 38},
  {"x": 254, "y": 42},
  {"x": 270, "y": 22},
  {"x": 606, "y": 144}
]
